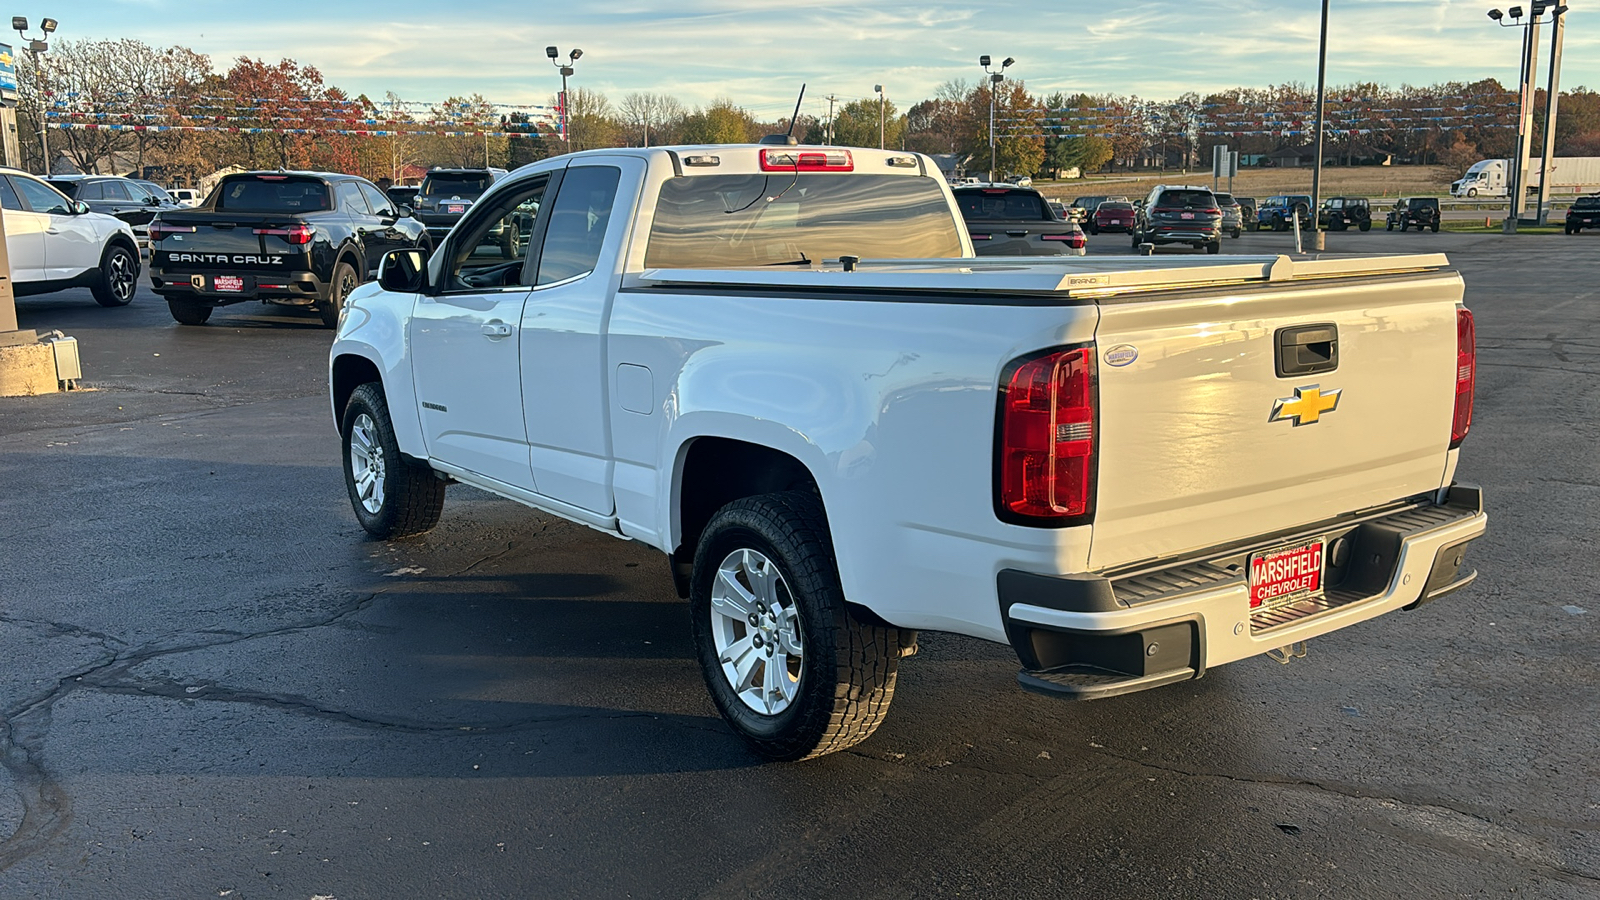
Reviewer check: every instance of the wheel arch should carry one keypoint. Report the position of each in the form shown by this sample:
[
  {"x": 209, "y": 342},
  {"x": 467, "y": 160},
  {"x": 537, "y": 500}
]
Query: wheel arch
[
  {"x": 347, "y": 372},
  {"x": 713, "y": 470}
]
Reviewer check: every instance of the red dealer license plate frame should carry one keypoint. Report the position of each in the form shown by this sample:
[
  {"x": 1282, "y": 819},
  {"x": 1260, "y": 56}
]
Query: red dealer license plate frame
[
  {"x": 227, "y": 284},
  {"x": 1299, "y": 576}
]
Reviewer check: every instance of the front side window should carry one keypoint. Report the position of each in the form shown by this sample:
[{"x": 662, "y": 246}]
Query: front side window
[
  {"x": 578, "y": 221},
  {"x": 8, "y": 195},
  {"x": 780, "y": 218},
  {"x": 379, "y": 203},
  {"x": 42, "y": 198},
  {"x": 489, "y": 250}
]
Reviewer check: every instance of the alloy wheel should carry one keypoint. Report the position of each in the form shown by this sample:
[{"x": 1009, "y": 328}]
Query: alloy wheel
[{"x": 755, "y": 625}]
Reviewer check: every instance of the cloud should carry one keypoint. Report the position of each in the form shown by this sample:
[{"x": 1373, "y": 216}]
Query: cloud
[{"x": 758, "y": 53}]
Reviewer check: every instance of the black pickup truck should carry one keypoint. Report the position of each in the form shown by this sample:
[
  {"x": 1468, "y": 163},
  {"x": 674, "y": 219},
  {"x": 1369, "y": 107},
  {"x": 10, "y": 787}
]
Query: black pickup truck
[
  {"x": 292, "y": 238},
  {"x": 1007, "y": 220}
]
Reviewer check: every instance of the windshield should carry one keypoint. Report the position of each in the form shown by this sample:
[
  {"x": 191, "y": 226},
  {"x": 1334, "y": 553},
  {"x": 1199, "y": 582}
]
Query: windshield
[
  {"x": 1114, "y": 206},
  {"x": 718, "y": 221},
  {"x": 1586, "y": 203},
  {"x": 455, "y": 184},
  {"x": 991, "y": 205},
  {"x": 273, "y": 193}
]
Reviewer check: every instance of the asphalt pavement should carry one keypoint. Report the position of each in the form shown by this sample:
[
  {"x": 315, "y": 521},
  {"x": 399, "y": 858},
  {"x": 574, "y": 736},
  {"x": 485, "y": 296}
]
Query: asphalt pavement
[{"x": 215, "y": 685}]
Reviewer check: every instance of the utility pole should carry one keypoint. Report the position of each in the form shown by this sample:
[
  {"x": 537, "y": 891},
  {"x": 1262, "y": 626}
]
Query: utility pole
[
  {"x": 879, "y": 89},
  {"x": 827, "y": 133}
]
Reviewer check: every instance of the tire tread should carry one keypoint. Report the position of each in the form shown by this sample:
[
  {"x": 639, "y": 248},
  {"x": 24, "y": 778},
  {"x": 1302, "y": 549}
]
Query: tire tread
[{"x": 414, "y": 500}]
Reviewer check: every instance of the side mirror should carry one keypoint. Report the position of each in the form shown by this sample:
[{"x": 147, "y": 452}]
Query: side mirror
[
  {"x": 80, "y": 208},
  {"x": 152, "y": 200},
  {"x": 406, "y": 212},
  {"x": 403, "y": 271}
]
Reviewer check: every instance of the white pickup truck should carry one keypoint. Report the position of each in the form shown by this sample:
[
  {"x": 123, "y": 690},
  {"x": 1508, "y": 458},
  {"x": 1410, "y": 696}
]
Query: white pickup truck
[{"x": 784, "y": 368}]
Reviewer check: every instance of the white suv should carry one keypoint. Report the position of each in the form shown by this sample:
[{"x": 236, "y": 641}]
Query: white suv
[{"x": 55, "y": 243}]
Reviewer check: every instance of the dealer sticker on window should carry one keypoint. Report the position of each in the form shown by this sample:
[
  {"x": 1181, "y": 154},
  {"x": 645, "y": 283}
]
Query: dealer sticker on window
[{"x": 1285, "y": 574}]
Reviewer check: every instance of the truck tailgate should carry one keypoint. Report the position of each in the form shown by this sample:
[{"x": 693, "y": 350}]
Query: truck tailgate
[{"x": 1200, "y": 444}]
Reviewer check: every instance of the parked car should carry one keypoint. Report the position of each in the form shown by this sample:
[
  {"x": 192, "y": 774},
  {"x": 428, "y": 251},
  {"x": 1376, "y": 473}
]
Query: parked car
[
  {"x": 1423, "y": 212},
  {"x": 55, "y": 243},
  {"x": 1247, "y": 212},
  {"x": 1342, "y": 213},
  {"x": 1112, "y": 215},
  {"x": 1082, "y": 208},
  {"x": 291, "y": 238},
  {"x": 1232, "y": 214},
  {"x": 403, "y": 194},
  {"x": 1278, "y": 213},
  {"x": 187, "y": 198},
  {"x": 113, "y": 195},
  {"x": 1128, "y": 474},
  {"x": 1020, "y": 180},
  {"x": 446, "y": 194},
  {"x": 1583, "y": 213},
  {"x": 162, "y": 194},
  {"x": 1180, "y": 214},
  {"x": 1007, "y": 220}
]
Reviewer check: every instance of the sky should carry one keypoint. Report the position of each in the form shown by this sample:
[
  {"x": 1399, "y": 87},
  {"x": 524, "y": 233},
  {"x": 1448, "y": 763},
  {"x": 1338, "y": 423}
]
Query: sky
[{"x": 759, "y": 52}]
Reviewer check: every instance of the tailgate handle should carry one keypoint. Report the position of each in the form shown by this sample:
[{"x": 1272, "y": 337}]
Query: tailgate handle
[
  {"x": 1017, "y": 232},
  {"x": 1306, "y": 350}
]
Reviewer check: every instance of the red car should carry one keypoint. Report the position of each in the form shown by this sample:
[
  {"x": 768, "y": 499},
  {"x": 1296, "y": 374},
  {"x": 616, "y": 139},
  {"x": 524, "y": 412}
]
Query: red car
[{"x": 1112, "y": 215}]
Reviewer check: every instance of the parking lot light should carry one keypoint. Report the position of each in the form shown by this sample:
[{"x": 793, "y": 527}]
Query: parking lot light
[
  {"x": 1496, "y": 14},
  {"x": 995, "y": 77},
  {"x": 566, "y": 72},
  {"x": 49, "y": 26},
  {"x": 35, "y": 47}
]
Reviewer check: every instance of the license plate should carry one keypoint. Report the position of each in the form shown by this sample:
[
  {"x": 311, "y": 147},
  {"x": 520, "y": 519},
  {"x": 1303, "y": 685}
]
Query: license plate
[
  {"x": 1116, "y": 221},
  {"x": 1185, "y": 215},
  {"x": 1285, "y": 574},
  {"x": 232, "y": 284},
  {"x": 454, "y": 209}
]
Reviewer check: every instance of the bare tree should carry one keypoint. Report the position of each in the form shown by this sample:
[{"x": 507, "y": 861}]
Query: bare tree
[{"x": 647, "y": 115}]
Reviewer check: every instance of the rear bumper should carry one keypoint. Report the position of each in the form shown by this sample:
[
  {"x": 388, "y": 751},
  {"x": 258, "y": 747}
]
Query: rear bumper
[
  {"x": 1099, "y": 635},
  {"x": 1183, "y": 234},
  {"x": 288, "y": 288}
]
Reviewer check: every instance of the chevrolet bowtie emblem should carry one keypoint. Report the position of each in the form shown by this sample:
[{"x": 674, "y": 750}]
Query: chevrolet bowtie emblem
[{"x": 1306, "y": 406}]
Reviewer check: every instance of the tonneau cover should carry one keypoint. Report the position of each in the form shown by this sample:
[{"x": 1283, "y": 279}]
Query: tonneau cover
[{"x": 1074, "y": 276}]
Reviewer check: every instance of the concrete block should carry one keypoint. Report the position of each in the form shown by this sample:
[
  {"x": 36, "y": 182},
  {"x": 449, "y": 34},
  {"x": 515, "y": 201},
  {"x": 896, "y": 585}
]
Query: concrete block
[{"x": 27, "y": 370}]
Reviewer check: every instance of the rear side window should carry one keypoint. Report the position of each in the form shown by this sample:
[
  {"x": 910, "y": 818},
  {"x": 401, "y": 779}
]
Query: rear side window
[
  {"x": 1225, "y": 200},
  {"x": 578, "y": 223},
  {"x": 1002, "y": 206},
  {"x": 350, "y": 199},
  {"x": 455, "y": 184},
  {"x": 77, "y": 190},
  {"x": 273, "y": 193},
  {"x": 1187, "y": 198}
]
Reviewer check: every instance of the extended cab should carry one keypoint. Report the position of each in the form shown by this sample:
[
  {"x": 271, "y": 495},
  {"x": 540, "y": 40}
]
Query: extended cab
[
  {"x": 784, "y": 368},
  {"x": 291, "y": 238}
]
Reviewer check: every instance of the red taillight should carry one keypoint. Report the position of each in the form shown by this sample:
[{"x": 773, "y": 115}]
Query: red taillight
[
  {"x": 1466, "y": 375},
  {"x": 299, "y": 233},
  {"x": 1074, "y": 239},
  {"x": 159, "y": 230},
  {"x": 807, "y": 161},
  {"x": 1047, "y": 421}
]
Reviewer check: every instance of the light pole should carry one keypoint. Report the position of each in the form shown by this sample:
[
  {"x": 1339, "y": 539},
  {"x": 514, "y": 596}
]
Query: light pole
[
  {"x": 566, "y": 70},
  {"x": 1525, "y": 100},
  {"x": 879, "y": 89},
  {"x": 995, "y": 77},
  {"x": 37, "y": 46},
  {"x": 1552, "y": 91},
  {"x": 1318, "y": 240}
]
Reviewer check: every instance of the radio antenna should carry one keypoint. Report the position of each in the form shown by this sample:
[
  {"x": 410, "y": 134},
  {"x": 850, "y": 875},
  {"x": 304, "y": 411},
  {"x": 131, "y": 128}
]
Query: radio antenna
[{"x": 796, "y": 115}]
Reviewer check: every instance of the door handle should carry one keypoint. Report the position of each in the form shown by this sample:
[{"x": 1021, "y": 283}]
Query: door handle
[{"x": 497, "y": 329}]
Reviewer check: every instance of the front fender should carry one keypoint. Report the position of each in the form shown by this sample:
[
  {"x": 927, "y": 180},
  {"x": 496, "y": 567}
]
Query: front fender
[{"x": 374, "y": 331}]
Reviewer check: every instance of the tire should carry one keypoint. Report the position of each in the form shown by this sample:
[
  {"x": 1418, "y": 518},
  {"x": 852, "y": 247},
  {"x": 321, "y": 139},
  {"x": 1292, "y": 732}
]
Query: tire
[
  {"x": 1404, "y": 226},
  {"x": 770, "y": 558},
  {"x": 119, "y": 276},
  {"x": 392, "y": 496},
  {"x": 1435, "y": 227},
  {"x": 1280, "y": 225},
  {"x": 1235, "y": 233},
  {"x": 1367, "y": 225},
  {"x": 188, "y": 312},
  {"x": 344, "y": 281},
  {"x": 1257, "y": 226},
  {"x": 1388, "y": 225},
  {"x": 1472, "y": 192},
  {"x": 1134, "y": 235},
  {"x": 1214, "y": 246}
]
